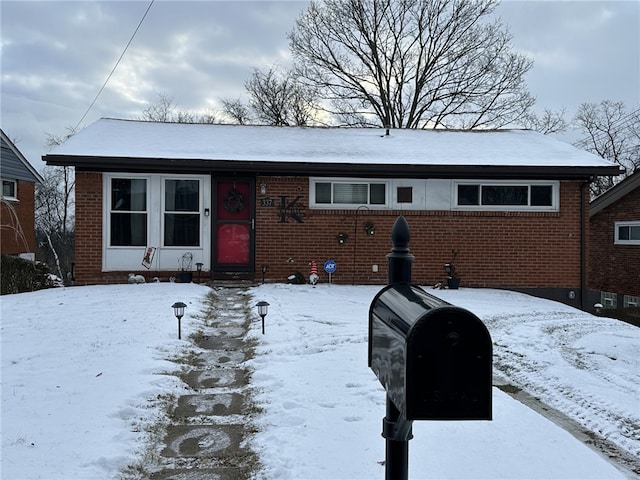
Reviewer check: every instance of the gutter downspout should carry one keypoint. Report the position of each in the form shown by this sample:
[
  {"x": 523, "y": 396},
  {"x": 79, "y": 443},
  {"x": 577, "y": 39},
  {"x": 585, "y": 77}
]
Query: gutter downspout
[{"x": 583, "y": 243}]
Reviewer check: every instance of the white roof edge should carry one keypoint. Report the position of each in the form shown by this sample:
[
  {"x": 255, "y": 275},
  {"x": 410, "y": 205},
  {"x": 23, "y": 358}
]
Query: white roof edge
[
  {"x": 615, "y": 193},
  {"x": 142, "y": 139}
]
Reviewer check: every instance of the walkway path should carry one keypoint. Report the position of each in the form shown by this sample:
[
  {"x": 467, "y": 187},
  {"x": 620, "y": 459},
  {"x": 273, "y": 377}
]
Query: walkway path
[{"x": 206, "y": 438}]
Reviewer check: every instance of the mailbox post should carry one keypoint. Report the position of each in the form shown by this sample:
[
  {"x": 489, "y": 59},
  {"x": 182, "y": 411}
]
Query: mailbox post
[
  {"x": 396, "y": 429},
  {"x": 433, "y": 359}
]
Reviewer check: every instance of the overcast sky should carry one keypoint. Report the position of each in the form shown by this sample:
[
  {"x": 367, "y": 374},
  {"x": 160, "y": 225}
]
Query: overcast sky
[{"x": 56, "y": 56}]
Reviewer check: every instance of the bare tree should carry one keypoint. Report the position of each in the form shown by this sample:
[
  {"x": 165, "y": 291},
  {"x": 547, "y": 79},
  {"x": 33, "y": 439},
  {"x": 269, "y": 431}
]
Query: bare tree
[
  {"x": 613, "y": 133},
  {"x": 161, "y": 111},
  {"x": 237, "y": 111},
  {"x": 165, "y": 110},
  {"x": 55, "y": 218},
  {"x": 277, "y": 98},
  {"x": 209, "y": 116},
  {"x": 549, "y": 122},
  {"x": 54, "y": 211},
  {"x": 412, "y": 63}
]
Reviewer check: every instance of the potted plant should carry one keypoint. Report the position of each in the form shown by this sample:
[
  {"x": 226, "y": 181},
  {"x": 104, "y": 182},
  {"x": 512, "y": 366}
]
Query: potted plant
[
  {"x": 185, "y": 264},
  {"x": 453, "y": 281}
]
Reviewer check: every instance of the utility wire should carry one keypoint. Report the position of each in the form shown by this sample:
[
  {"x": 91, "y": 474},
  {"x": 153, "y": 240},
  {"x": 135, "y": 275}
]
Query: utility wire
[
  {"x": 623, "y": 122},
  {"x": 115, "y": 66}
]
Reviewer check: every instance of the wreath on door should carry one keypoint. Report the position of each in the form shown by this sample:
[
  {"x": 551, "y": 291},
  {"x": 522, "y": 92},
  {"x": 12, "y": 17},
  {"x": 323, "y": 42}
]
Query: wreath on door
[{"x": 233, "y": 201}]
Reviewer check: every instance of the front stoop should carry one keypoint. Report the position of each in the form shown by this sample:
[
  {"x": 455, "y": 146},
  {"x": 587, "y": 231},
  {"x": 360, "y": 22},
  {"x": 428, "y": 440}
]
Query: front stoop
[{"x": 210, "y": 425}]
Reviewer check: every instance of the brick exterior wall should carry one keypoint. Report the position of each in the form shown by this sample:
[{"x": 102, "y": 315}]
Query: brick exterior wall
[
  {"x": 615, "y": 268},
  {"x": 89, "y": 228},
  {"x": 11, "y": 242},
  {"x": 495, "y": 249}
]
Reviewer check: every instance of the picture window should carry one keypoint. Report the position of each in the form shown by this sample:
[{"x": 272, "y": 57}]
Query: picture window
[{"x": 505, "y": 196}]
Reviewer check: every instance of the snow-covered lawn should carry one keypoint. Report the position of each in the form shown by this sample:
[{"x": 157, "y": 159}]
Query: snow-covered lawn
[{"x": 82, "y": 373}]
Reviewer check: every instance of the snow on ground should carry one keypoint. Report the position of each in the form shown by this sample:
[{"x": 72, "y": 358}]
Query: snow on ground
[
  {"x": 82, "y": 370},
  {"x": 79, "y": 368}
]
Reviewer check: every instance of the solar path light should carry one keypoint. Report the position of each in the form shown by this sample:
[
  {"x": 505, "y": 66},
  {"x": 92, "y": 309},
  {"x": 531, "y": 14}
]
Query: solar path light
[
  {"x": 199, "y": 269},
  {"x": 263, "y": 309},
  {"x": 178, "y": 311}
]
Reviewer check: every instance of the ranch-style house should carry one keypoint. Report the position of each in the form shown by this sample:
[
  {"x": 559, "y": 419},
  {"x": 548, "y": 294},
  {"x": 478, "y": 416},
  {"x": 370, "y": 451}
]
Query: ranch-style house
[{"x": 509, "y": 208}]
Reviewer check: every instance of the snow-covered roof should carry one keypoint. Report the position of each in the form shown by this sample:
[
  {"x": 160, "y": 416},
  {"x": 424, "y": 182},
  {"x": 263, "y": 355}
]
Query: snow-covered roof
[
  {"x": 111, "y": 138},
  {"x": 615, "y": 193}
]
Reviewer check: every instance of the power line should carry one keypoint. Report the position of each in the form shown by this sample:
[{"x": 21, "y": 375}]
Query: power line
[
  {"x": 621, "y": 123},
  {"x": 115, "y": 66}
]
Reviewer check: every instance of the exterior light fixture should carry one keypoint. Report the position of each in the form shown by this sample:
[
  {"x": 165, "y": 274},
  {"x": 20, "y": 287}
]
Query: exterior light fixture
[
  {"x": 263, "y": 309},
  {"x": 369, "y": 228},
  {"x": 342, "y": 238},
  {"x": 263, "y": 188},
  {"x": 199, "y": 269},
  {"x": 178, "y": 311},
  {"x": 265, "y": 268}
]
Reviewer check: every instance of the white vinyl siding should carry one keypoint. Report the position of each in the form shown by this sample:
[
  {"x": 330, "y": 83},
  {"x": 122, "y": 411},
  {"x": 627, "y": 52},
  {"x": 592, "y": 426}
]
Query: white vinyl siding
[{"x": 434, "y": 194}]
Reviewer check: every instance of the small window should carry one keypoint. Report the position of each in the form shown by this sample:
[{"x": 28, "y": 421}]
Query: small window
[
  {"x": 405, "y": 194},
  {"x": 608, "y": 299},
  {"x": 468, "y": 194},
  {"x": 323, "y": 193},
  {"x": 627, "y": 233},
  {"x": 346, "y": 193},
  {"x": 377, "y": 192},
  {"x": 128, "y": 219},
  {"x": 631, "y": 301},
  {"x": 541, "y": 195},
  {"x": 9, "y": 189}
]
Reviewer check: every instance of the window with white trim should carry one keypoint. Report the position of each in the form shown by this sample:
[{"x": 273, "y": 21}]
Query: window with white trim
[
  {"x": 9, "y": 189},
  {"x": 532, "y": 195},
  {"x": 181, "y": 213},
  {"x": 627, "y": 233},
  {"x": 347, "y": 193},
  {"x": 128, "y": 212}
]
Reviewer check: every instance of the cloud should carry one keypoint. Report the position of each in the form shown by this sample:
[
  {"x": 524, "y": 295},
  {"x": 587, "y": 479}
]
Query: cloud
[{"x": 57, "y": 55}]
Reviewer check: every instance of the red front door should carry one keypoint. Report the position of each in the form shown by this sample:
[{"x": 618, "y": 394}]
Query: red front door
[{"x": 233, "y": 226}]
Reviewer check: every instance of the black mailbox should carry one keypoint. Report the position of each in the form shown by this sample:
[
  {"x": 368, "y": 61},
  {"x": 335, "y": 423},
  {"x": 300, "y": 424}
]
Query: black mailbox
[{"x": 434, "y": 359}]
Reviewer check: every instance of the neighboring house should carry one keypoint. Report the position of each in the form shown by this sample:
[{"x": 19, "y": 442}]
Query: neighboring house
[
  {"x": 17, "y": 211},
  {"x": 614, "y": 267},
  {"x": 248, "y": 201}
]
